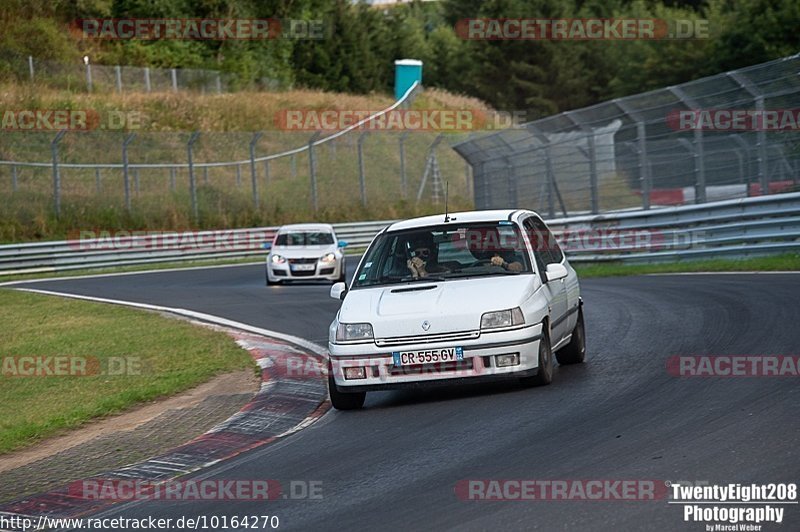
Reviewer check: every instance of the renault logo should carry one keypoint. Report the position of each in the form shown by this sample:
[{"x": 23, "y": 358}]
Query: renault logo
[{"x": 426, "y": 325}]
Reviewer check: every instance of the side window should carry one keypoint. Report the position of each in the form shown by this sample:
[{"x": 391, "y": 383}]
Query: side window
[{"x": 545, "y": 246}]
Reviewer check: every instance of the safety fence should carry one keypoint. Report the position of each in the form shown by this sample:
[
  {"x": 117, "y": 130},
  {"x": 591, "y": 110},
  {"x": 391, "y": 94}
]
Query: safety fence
[
  {"x": 732, "y": 228},
  {"x": 732, "y": 135}
]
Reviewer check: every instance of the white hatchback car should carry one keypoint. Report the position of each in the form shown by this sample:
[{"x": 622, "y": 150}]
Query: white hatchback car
[
  {"x": 303, "y": 252},
  {"x": 461, "y": 298}
]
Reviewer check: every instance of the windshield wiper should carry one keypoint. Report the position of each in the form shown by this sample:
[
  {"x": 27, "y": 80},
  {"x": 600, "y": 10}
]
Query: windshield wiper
[
  {"x": 484, "y": 274},
  {"x": 426, "y": 278}
]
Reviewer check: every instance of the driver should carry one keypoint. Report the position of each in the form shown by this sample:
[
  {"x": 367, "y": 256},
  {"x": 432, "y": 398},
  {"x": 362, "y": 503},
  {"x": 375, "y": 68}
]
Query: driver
[
  {"x": 486, "y": 247},
  {"x": 423, "y": 257}
]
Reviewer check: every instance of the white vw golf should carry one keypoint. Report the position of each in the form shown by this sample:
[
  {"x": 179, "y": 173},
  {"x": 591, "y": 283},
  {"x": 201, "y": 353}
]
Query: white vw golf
[
  {"x": 305, "y": 252},
  {"x": 461, "y": 298}
]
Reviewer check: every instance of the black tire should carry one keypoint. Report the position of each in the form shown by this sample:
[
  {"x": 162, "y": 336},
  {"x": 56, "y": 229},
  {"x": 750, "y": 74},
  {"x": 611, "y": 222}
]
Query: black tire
[
  {"x": 342, "y": 275},
  {"x": 544, "y": 375},
  {"x": 575, "y": 351},
  {"x": 342, "y": 400}
]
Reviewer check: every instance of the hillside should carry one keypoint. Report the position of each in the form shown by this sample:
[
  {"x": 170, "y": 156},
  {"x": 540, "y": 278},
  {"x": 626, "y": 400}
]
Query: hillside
[{"x": 163, "y": 124}]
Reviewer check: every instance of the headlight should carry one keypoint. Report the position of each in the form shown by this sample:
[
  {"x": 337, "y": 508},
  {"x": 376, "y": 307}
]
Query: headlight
[
  {"x": 502, "y": 318},
  {"x": 277, "y": 259},
  {"x": 349, "y": 332},
  {"x": 330, "y": 257}
]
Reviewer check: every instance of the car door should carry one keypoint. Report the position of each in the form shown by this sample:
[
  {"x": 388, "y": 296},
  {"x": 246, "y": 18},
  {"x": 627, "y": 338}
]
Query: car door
[{"x": 546, "y": 251}]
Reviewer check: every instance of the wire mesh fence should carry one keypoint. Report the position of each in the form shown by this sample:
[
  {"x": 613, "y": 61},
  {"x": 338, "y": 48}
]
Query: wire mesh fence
[
  {"x": 90, "y": 77},
  {"x": 726, "y": 136},
  {"x": 212, "y": 179}
]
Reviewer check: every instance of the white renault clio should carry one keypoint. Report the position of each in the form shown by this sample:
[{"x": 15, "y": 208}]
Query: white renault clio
[{"x": 461, "y": 298}]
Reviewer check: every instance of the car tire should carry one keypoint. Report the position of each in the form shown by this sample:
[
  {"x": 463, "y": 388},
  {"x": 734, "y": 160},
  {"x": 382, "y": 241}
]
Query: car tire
[
  {"x": 342, "y": 400},
  {"x": 575, "y": 351},
  {"x": 342, "y": 275},
  {"x": 544, "y": 375}
]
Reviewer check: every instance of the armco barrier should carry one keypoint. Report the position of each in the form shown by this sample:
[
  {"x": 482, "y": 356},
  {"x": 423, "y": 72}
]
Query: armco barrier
[{"x": 735, "y": 228}]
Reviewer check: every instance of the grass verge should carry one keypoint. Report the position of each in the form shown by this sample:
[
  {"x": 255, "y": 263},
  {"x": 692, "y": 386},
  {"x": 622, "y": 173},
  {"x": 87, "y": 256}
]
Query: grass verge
[
  {"x": 154, "y": 356},
  {"x": 784, "y": 262}
]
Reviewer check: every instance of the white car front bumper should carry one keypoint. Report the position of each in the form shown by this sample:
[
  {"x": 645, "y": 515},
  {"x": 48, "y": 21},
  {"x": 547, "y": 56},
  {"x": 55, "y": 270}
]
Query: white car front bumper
[
  {"x": 328, "y": 271},
  {"x": 479, "y": 362}
]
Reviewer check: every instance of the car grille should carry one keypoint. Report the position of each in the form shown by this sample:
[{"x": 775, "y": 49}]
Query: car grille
[
  {"x": 303, "y": 261},
  {"x": 433, "y": 368},
  {"x": 309, "y": 273},
  {"x": 427, "y": 339}
]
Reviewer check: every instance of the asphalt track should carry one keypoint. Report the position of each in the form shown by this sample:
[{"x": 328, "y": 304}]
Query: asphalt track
[{"x": 620, "y": 416}]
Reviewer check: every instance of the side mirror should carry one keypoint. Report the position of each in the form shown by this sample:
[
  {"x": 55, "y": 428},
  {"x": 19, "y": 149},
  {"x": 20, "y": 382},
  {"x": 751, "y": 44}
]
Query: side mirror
[
  {"x": 342, "y": 244},
  {"x": 338, "y": 291},
  {"x": 555, "y": 272}
]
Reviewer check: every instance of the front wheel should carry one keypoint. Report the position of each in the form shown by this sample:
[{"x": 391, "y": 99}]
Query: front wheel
[
  {"x": 575, "y": 351},
  {"x": 343, "y": 274},
  {"x": 544, "y": 376},
  {"x": 342, "y": 400}
]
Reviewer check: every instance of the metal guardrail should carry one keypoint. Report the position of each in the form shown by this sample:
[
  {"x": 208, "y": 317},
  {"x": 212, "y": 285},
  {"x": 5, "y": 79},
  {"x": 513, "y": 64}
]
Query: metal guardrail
[
  {"x": 734, "y": 228},
  {"x": 158, "y": 247}
]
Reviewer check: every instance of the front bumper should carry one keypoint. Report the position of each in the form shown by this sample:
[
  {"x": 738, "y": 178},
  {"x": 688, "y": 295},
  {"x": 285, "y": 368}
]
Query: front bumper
[
  {"x": 478, "y": 365},
  {"x": 329, "y": 271}
]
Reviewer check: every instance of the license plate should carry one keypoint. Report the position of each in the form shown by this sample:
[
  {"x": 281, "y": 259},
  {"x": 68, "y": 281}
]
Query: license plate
[
  {"x": 427, "y": 356},
  {"x": 302, "y": 267}
]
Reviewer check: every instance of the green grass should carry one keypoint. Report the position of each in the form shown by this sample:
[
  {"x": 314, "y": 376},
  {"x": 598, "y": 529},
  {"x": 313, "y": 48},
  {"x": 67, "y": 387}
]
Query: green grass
[
  {"x": 173, "y": 355},
  {"x": 785, "y": 262}
]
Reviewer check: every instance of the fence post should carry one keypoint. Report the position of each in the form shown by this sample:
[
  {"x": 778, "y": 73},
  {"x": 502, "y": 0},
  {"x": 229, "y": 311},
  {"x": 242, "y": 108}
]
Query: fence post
[
  {"x": 125, "y": 179},
  {"x": 361, "y": 178},
  {"x": 403, "y": 177},
  {"x": 205, "y": 175},
  {"x": 14, "y": 178},
  {"x": 293, "y": 159},
  {"x": 172, "y": 179},
  {"x": 97, "y": 185},
  {"x": 312, "y": 168},
  {"x": 700, "y": 167},
  {"x": 593, "y": 173},
  {"x": 511, "y": 183},
  {"x": 644, "y": 168},
  {"x": 219, "y": 84},
  {"x": 238, "y": 175},
  {"x": 174, "y": 74},
  {"x": 56, "y": 173},
  {"x": 192, "y": 186},
  {"x": 266, "y": 171},
  {"x": 253, "y": 176},
  {"x": 88, "y": 77},
  {"x": 551, "y": 206},
  {"x": 136, "y": 180},
  {"x": 30, "y": 66},
  {"x": 118, "y": 76},
  {"x": 147, "y": 79},
  {"x": 761, "y": 144}
]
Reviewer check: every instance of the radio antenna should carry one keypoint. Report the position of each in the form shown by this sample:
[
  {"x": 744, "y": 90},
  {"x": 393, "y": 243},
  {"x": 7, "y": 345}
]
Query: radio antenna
[{"x": 446, "y": 190}]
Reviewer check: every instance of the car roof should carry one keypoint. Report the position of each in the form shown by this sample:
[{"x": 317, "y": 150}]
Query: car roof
[
  {"x": 305, "y": 227},
  {"x": 461, "y": 217}
]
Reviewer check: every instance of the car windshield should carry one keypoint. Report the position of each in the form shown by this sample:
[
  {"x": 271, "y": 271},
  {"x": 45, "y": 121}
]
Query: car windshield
[
  {"x": 445, "y": 252},
  {"x": 304, "y": 238}
]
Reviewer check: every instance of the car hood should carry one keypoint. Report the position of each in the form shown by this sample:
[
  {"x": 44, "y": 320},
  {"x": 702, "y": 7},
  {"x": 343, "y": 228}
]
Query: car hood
[
  {"x": 303, "y": 252},
  {"x": 447, "y": 306}
]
